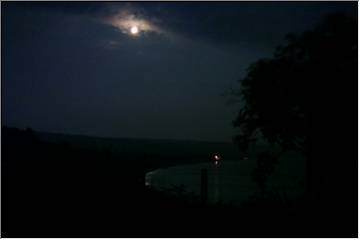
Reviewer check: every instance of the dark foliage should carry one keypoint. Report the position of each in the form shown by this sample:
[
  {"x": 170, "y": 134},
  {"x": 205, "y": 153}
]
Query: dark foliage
[
  {"x": 279, "y": 93},
  {"x": 304, "y": 98},
  {"x": 265, "y": 167}
]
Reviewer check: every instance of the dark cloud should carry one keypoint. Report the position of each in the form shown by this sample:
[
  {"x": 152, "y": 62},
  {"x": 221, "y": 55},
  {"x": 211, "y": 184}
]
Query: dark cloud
[
  {"x": 261, "y": 24},
  {"x": 74, "y": 7},
  {"x": 249, "y": 24}
]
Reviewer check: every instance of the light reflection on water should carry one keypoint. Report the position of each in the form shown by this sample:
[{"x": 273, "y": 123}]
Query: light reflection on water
[{"x": 216, "y": 182}]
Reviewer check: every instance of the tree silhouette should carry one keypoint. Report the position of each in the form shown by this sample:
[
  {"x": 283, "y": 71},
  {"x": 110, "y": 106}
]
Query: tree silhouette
[
  {"x": 304, "y": 99},
  {"x": 280, "y": 94}
]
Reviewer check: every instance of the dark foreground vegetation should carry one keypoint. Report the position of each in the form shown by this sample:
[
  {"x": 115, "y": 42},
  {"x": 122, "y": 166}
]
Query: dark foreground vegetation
[{"x": 60, "y": 190}]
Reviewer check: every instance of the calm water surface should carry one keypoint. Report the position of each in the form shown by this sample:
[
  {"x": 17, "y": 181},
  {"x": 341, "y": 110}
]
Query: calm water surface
[{"x": 228, "y": 182}]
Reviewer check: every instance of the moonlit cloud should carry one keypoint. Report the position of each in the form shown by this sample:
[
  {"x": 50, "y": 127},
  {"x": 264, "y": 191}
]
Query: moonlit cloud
[{"x": 125, "y": 20}]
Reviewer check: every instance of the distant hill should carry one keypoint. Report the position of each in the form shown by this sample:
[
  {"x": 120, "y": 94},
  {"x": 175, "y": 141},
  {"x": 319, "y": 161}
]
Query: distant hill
[{"x": 152, "y": 146}]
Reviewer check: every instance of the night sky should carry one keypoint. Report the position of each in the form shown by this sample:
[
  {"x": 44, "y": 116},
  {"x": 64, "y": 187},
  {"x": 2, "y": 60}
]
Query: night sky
[{"x": 75, "y": 67}]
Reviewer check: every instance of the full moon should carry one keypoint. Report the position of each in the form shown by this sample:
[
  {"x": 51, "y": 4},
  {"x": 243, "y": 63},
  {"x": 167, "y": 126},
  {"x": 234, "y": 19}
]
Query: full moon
[{"x": 134, "y": 30}]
